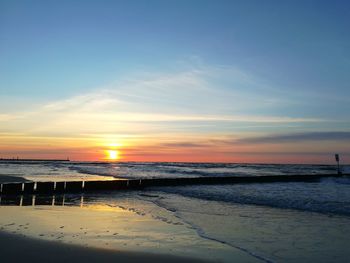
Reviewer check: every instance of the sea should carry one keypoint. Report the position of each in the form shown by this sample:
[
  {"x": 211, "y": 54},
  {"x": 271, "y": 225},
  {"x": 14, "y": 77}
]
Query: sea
[{"x": 270, "y": 222}]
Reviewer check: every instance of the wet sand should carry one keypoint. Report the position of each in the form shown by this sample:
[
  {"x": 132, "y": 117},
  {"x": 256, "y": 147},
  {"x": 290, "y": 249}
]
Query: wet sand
[
  {"x": 15, "y": 248},
  {"x": 169, "y": 224},
  {"x": 123, "y": 222}
]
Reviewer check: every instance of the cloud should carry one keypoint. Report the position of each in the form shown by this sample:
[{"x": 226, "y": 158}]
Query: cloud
[
  {"x": 277, "y": 139},
  {"x": 297, "y": 137},
  {"x": 183, "y": 145},
  {"x": 202, "y": 100},
  {"x": 6, "y": 117}
]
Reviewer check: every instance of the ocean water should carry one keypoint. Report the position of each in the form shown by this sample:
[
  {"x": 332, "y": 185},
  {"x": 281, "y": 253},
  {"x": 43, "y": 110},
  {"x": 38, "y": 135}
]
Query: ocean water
[
  {"x": 329, "y": 195},
  {"x": 269, "y": 222},
  {"x": 41, "y": 171}
]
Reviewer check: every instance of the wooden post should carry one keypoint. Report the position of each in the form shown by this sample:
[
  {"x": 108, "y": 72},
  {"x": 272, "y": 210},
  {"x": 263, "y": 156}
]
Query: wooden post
[{"x": 338, "y": 166}]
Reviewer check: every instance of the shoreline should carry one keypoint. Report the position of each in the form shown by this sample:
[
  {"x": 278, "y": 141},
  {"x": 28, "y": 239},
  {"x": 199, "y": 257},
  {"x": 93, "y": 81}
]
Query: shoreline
[{"x": 16, "y": 248}]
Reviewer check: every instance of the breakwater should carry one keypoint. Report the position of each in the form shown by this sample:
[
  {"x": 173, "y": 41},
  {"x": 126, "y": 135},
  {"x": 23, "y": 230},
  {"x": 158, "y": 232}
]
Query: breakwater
[{"x": 88, "y": 186}]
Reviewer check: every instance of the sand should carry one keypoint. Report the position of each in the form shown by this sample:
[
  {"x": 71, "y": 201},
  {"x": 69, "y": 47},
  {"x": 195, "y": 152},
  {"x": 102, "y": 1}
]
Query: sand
[
  {"x": 15, "y": 248},
  {"x": 122, "y": 222}
]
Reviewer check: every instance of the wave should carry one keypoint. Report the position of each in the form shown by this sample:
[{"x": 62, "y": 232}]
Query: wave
[
  {"x": 330, "y": 197},
  {"x": 203, "y": 234},
  {"x": 159, "y": 170}
]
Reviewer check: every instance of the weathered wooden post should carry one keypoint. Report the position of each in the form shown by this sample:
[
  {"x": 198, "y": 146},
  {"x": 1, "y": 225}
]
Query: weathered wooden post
[{"x": 337, "y": 159}]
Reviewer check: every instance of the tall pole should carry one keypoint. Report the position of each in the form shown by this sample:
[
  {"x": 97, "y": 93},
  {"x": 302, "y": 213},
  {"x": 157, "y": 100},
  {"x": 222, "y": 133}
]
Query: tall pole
[{"x": 337, "y": 159}]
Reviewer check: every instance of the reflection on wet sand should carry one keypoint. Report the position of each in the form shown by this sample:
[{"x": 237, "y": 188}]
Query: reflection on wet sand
[
  {"x": 43, "y": 200},
  {"x": 120, "y": 221}
]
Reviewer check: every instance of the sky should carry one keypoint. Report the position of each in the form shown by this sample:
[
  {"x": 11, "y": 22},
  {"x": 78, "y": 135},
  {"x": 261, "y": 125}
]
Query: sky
[{"x": 195, "y": 81}]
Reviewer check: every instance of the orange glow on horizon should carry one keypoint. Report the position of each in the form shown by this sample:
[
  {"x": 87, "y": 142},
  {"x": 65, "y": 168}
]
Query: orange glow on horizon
[{"x": 167, "y": 148}]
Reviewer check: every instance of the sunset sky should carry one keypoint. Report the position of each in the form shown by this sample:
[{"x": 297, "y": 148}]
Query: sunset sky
[{"x": 195, "y": 81}]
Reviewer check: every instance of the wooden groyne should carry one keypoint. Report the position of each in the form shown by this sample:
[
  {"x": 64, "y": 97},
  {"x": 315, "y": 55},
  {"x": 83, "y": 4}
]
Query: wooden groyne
[{"x": 88, "y": 186}]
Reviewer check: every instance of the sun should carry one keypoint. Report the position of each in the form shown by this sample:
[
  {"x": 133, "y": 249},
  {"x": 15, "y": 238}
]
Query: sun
[{"x": 112, "y": 154}]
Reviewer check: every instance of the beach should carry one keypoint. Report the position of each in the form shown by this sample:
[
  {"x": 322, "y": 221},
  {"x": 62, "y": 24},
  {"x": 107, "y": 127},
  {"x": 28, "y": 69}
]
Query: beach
[
  {"x": 115, "y": 222},
  {"x": 259, "y": 222},
  {"x": 174, "y": 131},
  {"x": 15, "y": 248}
]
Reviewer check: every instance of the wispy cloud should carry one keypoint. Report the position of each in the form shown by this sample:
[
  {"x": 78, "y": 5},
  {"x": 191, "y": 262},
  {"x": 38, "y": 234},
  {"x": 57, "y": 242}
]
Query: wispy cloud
[
  {"x": 297, "y": 137},
  {"x": 148, "y": 103},
  {"x": 183, "y": 145},
  {"x": 201, "y": 111},
  {"x": 6, "y": 117}
]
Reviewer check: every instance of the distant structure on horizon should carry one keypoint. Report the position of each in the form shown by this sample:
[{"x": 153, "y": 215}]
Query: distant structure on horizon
[
  {"x": 337, "y": 159},
  {"x": 34, "y": 160}
]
